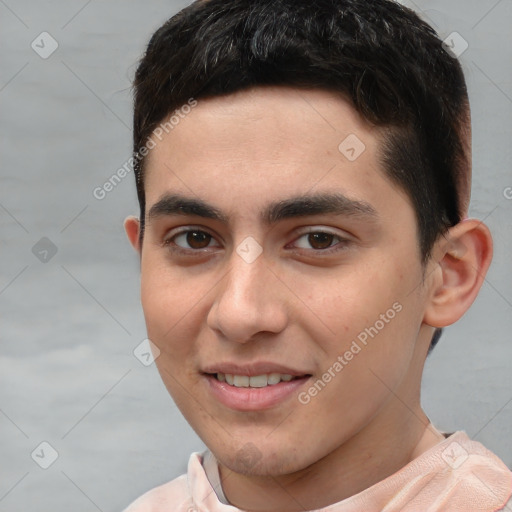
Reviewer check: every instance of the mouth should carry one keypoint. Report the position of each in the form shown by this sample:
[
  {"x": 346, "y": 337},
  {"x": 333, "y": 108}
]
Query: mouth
[
  {"x": 256, "y": 392},
  {"x": 255, "y": 381}
]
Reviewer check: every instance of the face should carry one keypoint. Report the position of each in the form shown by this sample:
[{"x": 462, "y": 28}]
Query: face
[{"x": 280, "y": 320}]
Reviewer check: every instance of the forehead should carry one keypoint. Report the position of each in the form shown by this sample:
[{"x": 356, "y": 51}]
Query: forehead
[
  {"x": 262, "y": 118},
  {"x": 268, "y": 143}
]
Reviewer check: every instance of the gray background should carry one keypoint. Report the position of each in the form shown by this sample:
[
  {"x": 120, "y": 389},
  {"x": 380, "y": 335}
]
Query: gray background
[{"x": 69, "y": 325}]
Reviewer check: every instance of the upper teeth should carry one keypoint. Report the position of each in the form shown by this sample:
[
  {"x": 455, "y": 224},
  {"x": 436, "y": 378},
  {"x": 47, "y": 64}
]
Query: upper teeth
[{"x": 256, "y": 381}]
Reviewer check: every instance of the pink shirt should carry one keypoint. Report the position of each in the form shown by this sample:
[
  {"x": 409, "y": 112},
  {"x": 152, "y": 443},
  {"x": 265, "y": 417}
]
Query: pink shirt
[{"x": 458, "y": 475}]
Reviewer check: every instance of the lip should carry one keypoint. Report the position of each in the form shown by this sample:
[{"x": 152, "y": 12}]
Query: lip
[
  {"x": 253, "y": 399},
  {"x": 253, "y": 369}
]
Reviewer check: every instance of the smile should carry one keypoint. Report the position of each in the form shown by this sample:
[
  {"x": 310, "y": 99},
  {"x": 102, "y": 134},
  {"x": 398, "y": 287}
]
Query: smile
[
  {"x": 255, "y": 392},
  {"x": 256, "y": 381}
]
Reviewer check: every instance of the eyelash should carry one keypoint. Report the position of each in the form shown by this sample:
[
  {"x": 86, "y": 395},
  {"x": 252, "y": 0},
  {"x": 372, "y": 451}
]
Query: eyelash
[{"x": 171, "y": 245}]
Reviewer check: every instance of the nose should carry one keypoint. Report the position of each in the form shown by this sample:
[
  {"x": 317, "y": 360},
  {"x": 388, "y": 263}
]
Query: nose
[{"x": 249, "y": 300}]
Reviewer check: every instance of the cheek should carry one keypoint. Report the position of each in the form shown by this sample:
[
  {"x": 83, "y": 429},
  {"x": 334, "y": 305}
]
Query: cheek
[
  {"x": 351, "y": 301},
  {"x": 168, "y": 316},
  {"x": 166, "y": 292},
  {"x": 360, "y": 384},
  {"x": 369, "y": 317},
  {"x": 168, "y": 306}
]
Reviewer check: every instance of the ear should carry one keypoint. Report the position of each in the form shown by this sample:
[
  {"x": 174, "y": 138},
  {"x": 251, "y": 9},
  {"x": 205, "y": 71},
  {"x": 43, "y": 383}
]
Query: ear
[
  {"x": 462, "y": 258},
  {"x": 132, "y": 228}
]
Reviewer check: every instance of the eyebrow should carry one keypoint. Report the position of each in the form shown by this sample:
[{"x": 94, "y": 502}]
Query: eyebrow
[{"x": 298, "y": 206}]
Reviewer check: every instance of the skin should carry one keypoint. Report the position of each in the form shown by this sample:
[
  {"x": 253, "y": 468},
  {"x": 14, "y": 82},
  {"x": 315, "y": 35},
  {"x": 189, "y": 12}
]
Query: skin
[{"x": 296, "y": 304}]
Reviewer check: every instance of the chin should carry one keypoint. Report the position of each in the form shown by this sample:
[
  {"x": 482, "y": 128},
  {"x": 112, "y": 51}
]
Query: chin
[{"x": 251, "y": 459}]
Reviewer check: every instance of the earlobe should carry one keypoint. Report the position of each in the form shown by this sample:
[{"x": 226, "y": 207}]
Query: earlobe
[
  {"x": 132, "y": 227},
  {"x": 463, "y": 255}
]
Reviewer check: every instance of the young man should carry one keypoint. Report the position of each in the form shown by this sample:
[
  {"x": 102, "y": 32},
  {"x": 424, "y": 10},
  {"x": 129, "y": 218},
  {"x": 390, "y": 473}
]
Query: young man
[{"x": 303, "y": 171}]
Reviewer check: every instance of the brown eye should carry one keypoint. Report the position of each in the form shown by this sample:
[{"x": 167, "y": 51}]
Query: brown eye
[
  {"x": 320, "y": 240},
  {"x": 189, "y": 240},
  {"x": 198, "y": 239}
]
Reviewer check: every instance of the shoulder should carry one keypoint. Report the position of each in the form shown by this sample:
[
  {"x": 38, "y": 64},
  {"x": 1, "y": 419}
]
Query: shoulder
[
  {"x": 174, "y": 495},
  {"x": 471, "y": 475},
  {"x": 456, "y": 474}
]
